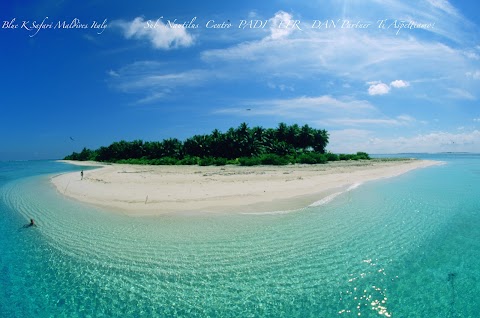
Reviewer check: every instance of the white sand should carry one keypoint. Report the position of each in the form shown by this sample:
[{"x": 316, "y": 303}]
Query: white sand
[{"x": 154, "y": 190}]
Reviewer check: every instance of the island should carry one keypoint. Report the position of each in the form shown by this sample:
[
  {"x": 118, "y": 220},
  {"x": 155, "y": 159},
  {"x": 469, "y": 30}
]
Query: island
[{"x": 245, "y": 170}]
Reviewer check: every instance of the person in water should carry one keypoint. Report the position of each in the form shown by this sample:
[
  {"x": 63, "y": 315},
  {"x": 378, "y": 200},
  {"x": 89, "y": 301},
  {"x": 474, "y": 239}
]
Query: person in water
[{"x": 31, "y": 224}]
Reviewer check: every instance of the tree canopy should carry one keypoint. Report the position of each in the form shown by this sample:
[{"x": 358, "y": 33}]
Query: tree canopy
[{"x": 287, "y": 142}]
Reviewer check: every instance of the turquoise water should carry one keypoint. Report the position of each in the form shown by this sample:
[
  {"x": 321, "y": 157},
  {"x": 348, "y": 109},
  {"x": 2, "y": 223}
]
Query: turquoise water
[{"x": 401, "y": 247}]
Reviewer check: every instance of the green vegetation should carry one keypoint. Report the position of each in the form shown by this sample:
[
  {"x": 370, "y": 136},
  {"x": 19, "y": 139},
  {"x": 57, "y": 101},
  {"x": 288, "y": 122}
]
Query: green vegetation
[
  {"x": 358, "y": 156},
  {"x": 244, "y": 146}
]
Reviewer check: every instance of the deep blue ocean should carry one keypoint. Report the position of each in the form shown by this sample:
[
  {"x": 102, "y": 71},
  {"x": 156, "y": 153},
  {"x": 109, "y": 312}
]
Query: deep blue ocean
[{"x": 407, "y": 246}]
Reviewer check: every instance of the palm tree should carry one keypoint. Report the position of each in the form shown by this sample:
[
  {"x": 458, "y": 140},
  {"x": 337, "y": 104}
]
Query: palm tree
[
  {"x": 230, "y": 144},
  {"x": 243, "y": 140},
  {"x": 282, "y": 148},
  {"x": 83, "y": 155},
  {"x": 153, "y": 150},
  {"x": 270, "y": 139},
  {"x": 217, "y": 144},
  {"x": 292, "y": 135},
  {"x": 172, "y": 148},
  {"x": 197, "y": 146},
  {"x": 320, "y": 140},
  {"x": 306, "y": 137},
  {"x": 117, "y": 151},
  {"x": 259, "y": 140},
  {"x": 240, "y": 142},
  {"x": 281, "y": 132},
  {"x": 134, "y": 149}
]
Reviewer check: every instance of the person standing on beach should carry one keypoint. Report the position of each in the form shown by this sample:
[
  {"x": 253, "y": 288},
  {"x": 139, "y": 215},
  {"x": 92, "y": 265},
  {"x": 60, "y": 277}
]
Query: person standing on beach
[{"x": 81, "y": 174}]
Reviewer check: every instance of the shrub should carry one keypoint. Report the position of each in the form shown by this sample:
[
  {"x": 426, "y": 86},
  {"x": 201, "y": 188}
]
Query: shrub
[
  {"x": 207, "y": 161},
  {"x": 233, "y": 161},
  {"x": 331, "y": 156},
  {"x": 306, "y": 159},
  {"x": 210, "y": 161},
  {"x": 312, "y": 158},
  {"x": 188, "y": 161},
  {"x": 363, "y": 155},
  {"x": 320, "y": 158},
  {"x": 166, "y": 161},
  {"x": 249, "y": 161},
  {"x": 273, "y": 159},
  {"x": 220, "y": 161},
  {"x": 133, "y": 161}
]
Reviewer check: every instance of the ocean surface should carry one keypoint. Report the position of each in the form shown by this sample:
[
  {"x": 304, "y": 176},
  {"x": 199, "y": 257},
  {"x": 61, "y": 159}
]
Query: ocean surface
[{"x": 408, "y": 246}]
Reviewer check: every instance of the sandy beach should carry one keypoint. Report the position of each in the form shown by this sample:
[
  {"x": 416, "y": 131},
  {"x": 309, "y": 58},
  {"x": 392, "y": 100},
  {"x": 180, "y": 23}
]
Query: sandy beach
[{"x": 153, "y": 190}]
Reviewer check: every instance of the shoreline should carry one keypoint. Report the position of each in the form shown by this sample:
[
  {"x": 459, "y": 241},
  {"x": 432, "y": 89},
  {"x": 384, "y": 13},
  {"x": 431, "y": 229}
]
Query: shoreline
[{"x": 139, "y": 190}]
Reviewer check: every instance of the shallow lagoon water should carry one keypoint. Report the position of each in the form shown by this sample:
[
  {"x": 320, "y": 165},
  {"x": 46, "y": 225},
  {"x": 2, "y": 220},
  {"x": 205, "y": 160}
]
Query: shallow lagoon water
[{"x": 405, "y": 246}]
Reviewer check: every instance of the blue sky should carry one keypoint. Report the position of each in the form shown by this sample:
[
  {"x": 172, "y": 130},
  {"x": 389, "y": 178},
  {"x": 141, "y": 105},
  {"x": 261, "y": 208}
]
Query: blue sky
[{"x": 374, "y": 86}]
